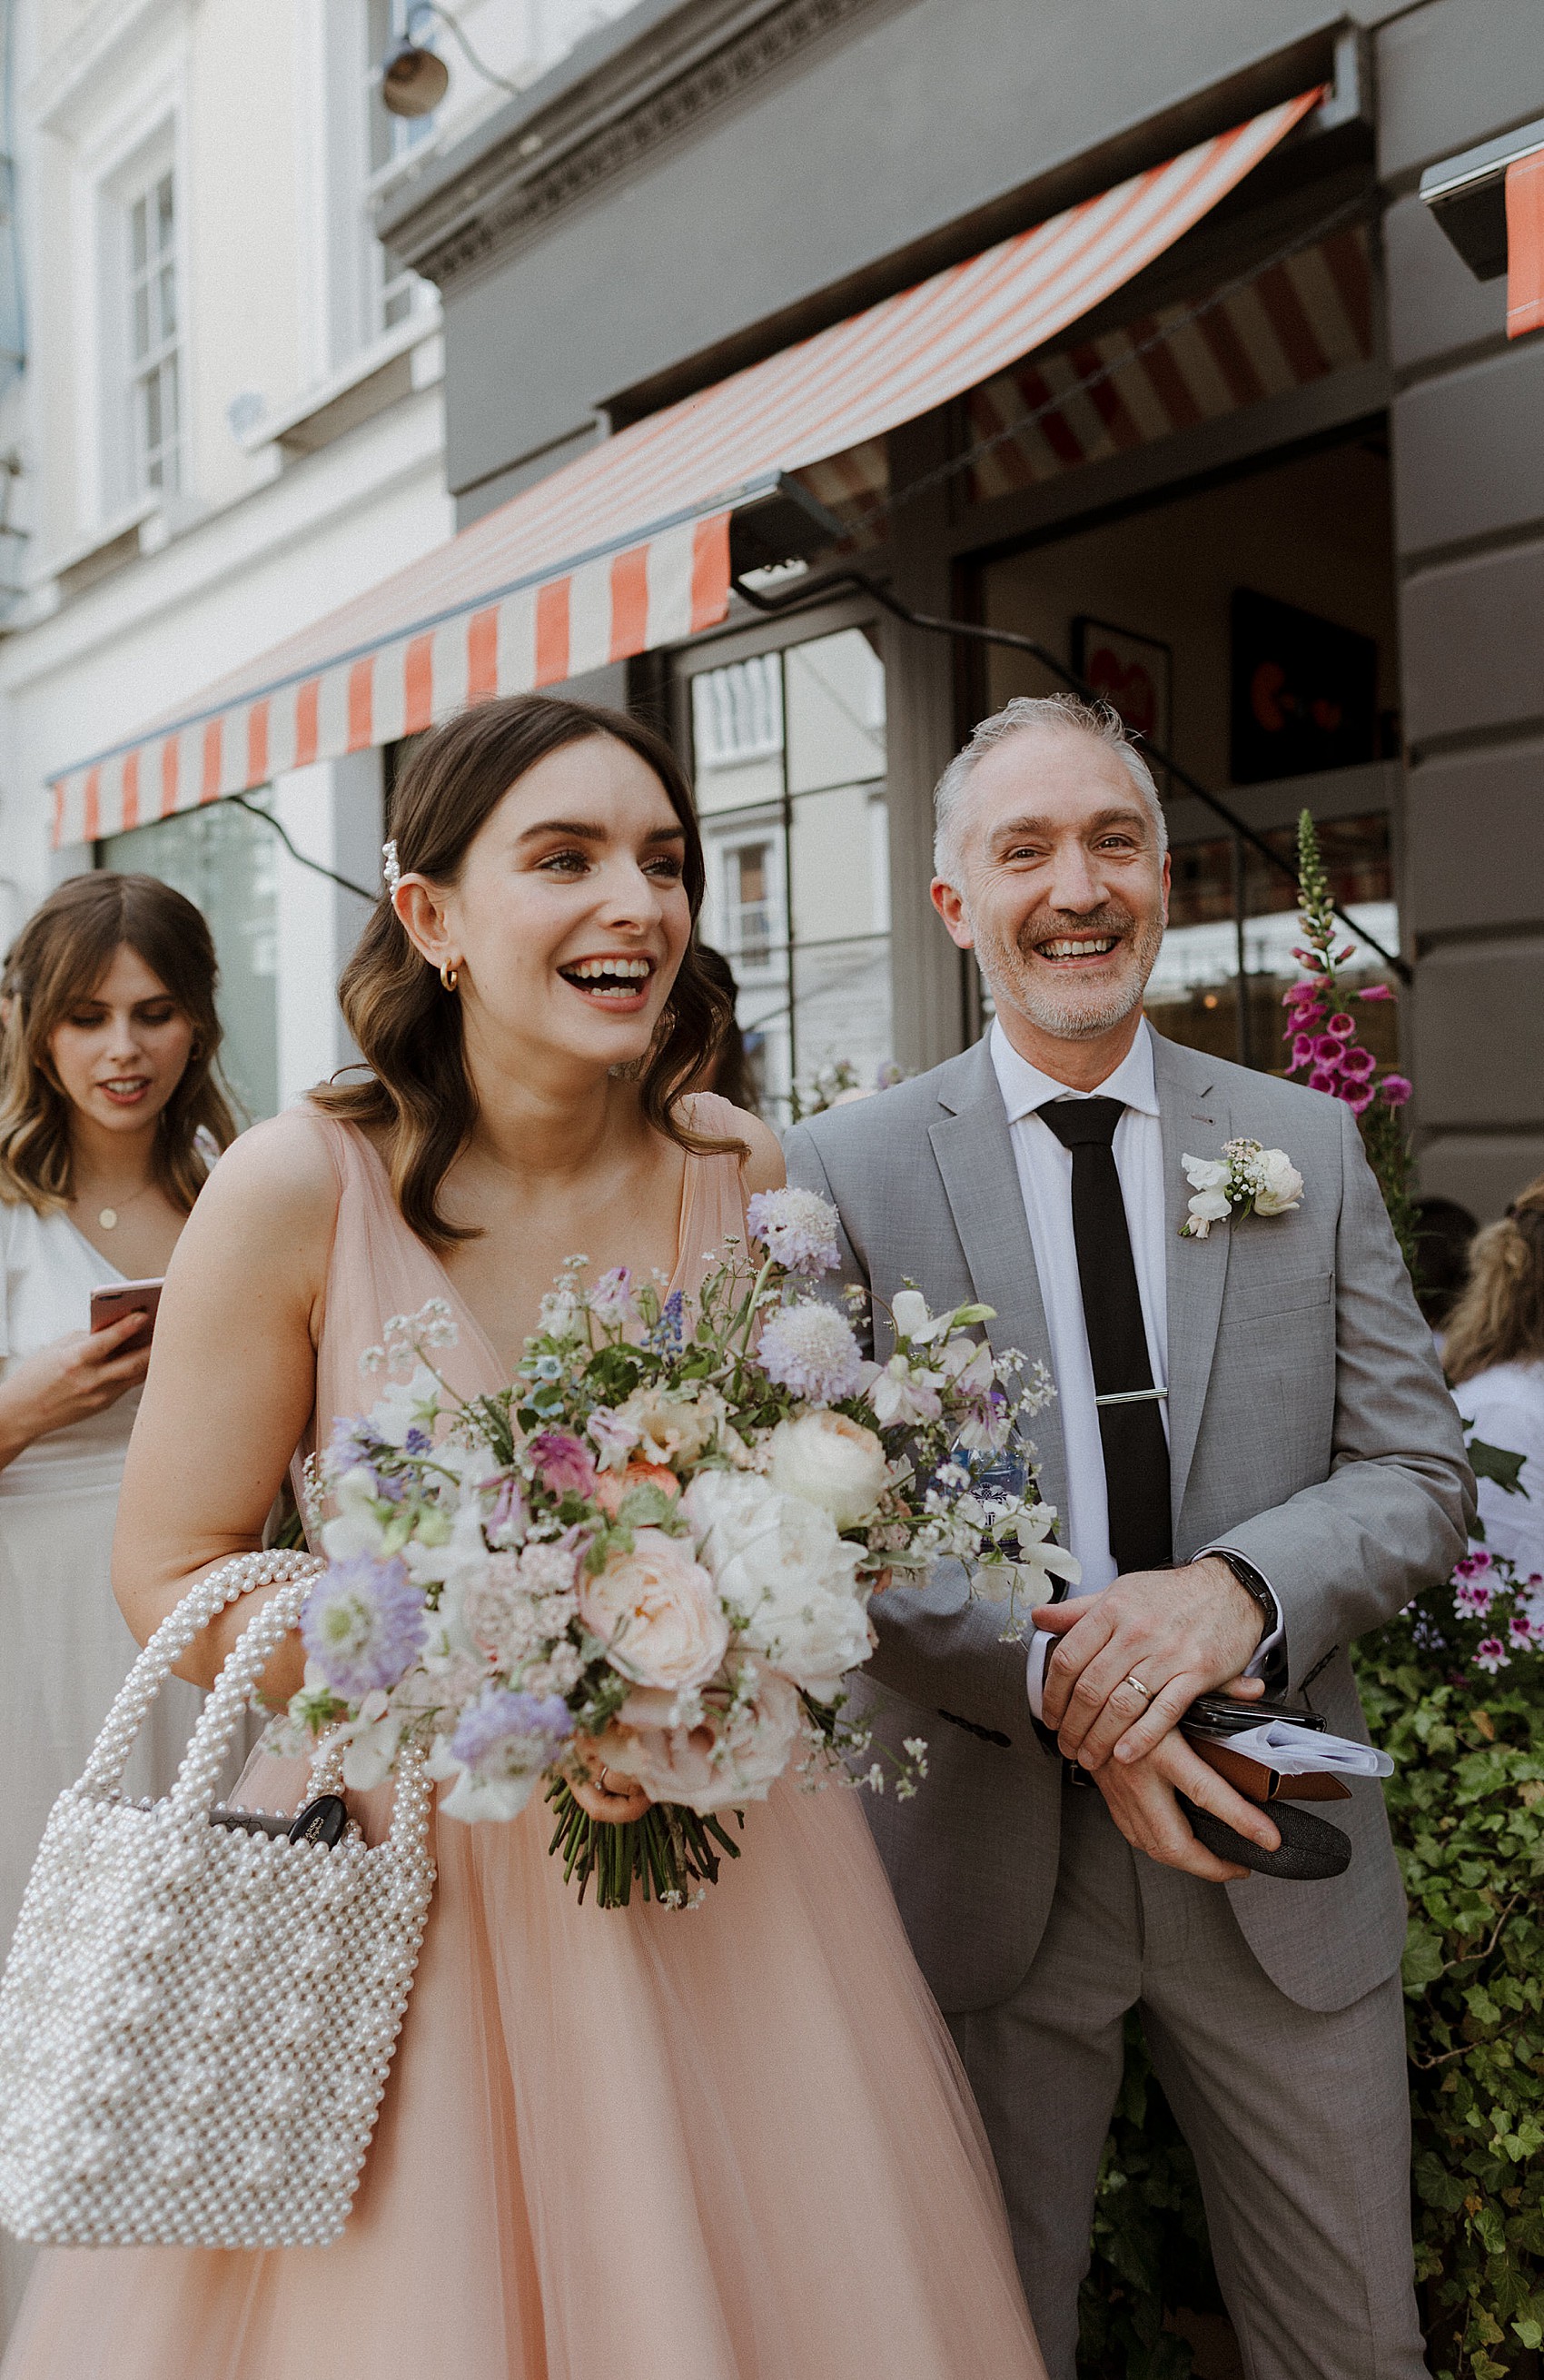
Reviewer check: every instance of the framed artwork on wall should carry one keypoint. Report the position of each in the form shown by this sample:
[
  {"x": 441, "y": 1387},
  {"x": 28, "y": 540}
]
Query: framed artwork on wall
[
  {"x": 1304, "y": 692},
  {"x": 1133, "y": 674}
]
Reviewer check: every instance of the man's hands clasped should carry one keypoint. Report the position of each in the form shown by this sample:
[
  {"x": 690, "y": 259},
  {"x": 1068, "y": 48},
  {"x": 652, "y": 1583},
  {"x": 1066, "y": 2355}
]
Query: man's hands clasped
[{"x": 1130, "y": 1661}]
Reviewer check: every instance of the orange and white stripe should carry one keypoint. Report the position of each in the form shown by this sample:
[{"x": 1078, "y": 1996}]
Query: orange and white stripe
[
  {"x": 627, "y": 547},
  {"x": 1298, "y": 320}
]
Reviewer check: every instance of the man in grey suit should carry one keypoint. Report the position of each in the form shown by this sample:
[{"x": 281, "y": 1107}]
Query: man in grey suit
[{"x": 1254, "y": 1460}]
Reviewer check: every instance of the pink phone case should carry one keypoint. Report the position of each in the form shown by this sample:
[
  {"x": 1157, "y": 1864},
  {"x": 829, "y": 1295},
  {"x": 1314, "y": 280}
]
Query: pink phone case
[{"x": 114, "y": 1299}]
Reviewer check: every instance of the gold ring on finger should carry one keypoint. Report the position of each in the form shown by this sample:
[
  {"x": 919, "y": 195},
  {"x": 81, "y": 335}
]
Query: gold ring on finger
[{"x": 1137, "y": 1687}]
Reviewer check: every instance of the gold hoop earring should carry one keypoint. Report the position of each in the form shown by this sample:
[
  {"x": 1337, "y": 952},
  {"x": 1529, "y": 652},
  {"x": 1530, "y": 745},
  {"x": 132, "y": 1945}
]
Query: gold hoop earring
[{"x": 450, "y": 977}]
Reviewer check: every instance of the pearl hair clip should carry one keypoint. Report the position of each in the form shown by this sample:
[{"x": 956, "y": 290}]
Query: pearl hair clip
[{"x": 391, "y": 868}]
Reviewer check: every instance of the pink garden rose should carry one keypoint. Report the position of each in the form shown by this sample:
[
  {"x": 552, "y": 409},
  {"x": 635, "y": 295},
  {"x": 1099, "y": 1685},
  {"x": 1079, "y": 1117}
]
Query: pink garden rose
[
  {"x": 657, "y": 1612},
  {"x": 611, "y": 1486},
  {"x": 732, "y": 1755}
]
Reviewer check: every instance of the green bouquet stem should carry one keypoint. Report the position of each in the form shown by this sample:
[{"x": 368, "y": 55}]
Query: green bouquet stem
[{"x": 667, "y": 1853}]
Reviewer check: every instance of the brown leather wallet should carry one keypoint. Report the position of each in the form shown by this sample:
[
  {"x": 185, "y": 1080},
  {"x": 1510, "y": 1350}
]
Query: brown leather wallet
[{"x": 1258, "y": 1783}]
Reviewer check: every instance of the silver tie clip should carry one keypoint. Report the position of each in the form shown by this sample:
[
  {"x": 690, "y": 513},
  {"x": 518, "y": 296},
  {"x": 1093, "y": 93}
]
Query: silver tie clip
[{"x": 1130, "y": 1396}]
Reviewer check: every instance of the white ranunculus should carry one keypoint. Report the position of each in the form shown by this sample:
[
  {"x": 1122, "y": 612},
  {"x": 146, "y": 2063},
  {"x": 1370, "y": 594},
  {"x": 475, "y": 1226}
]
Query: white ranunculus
[
  {"x": 788, "y": 1579},
  {"x": 1283, "y": 1183},
  {"x": 831, "y": 1461}
]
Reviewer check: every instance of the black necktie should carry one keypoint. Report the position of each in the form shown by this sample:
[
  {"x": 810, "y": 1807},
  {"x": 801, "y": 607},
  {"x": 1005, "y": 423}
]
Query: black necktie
[{"x": 1136, "y": 1449}]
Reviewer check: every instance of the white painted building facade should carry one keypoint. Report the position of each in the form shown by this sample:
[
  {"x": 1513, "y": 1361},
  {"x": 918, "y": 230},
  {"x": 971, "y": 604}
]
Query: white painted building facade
[{"x": 230, "y": 420}]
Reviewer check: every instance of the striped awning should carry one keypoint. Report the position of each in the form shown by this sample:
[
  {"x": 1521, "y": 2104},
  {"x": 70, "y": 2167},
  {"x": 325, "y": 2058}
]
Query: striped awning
[
  {"x": 1298, "y": 319},
  {"x": 627, "y": 547}
]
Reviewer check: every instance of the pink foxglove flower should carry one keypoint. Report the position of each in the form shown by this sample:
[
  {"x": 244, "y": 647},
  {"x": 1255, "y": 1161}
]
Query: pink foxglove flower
[{"x": 1394, "y": 1089}]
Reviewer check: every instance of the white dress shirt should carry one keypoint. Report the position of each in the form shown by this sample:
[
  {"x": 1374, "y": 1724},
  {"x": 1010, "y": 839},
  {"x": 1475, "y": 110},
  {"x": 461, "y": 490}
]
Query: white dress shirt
[{"x": 1045, "y": 1184}]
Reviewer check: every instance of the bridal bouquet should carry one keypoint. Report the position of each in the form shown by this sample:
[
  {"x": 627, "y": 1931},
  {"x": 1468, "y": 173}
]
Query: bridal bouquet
[{"x": 653, "y": 1552}]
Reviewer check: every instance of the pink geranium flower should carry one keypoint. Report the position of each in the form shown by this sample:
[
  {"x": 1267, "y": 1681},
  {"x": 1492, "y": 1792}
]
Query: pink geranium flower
[{"x": 1491, "y": 1656}]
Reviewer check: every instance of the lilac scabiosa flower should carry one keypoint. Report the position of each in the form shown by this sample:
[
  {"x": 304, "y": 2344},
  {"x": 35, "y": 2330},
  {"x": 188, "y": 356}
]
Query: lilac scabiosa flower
[
  {"x": 503, "y": 1743},
  {"x": 1492, "y": 1655},
  {"x": 798, "y": 1228},
  {"x": 1394, "y": 1089},
  {"x": 363, "y": 1624},
  {"x": 563, "y": 1464},
  {"x": 810, "y": 1349}
]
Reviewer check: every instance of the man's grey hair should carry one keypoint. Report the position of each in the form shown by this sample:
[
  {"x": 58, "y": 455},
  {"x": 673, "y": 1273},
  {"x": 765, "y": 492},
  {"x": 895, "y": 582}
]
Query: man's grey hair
[{"x": 1061, "y": 714}]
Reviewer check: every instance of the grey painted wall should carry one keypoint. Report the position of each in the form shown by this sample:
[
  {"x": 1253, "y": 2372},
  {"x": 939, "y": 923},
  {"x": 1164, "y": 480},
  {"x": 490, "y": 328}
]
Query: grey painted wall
[
  {"x": 909, "y": 121},
  {"x": 1469, "y": 528}
]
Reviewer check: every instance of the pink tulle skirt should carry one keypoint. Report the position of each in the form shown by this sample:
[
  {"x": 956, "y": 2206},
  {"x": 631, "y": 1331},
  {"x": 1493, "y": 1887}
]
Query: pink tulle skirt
[{"x": 731, "y": 2143}]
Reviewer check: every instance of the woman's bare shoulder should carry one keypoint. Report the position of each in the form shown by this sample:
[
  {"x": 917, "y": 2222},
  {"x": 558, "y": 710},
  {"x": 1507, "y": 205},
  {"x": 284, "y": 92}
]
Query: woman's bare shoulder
[{"x": 276, "y": 1186}]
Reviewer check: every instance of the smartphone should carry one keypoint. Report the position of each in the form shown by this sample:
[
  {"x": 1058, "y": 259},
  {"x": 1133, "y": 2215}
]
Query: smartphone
[{"x": 116, "y": 1298}]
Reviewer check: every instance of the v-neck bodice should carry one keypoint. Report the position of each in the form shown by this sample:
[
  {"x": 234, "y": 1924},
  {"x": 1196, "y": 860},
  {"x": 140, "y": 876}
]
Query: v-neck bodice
[{"x": 379, "y": 1268}]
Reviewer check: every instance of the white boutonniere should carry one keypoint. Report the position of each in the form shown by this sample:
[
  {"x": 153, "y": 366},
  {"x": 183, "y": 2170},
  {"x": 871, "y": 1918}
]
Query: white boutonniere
[{"x": 1245, "y": 1180}]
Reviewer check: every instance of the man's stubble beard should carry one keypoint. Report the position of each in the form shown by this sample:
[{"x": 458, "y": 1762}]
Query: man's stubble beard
[{"x": 1073, "y": 1019}]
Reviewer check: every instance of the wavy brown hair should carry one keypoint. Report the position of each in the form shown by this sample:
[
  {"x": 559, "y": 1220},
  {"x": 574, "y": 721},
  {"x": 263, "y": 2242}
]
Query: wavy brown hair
[
  {"x": 56, "y": 961},
  {"x": 1499, "y": 1314},
  {"x": 420, "y": 1096}
]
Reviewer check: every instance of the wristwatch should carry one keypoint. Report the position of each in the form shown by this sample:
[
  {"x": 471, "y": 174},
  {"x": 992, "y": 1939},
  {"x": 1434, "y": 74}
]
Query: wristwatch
[{"x": 1254, "y": 1585}]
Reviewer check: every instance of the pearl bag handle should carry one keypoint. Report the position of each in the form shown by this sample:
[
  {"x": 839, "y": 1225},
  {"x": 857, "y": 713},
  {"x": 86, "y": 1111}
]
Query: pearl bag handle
[{"x": 226, "y": 1584}]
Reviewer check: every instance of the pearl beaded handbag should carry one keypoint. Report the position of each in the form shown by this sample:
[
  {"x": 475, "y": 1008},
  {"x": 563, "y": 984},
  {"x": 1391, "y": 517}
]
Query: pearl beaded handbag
[{"x": 197, "y": 2023}]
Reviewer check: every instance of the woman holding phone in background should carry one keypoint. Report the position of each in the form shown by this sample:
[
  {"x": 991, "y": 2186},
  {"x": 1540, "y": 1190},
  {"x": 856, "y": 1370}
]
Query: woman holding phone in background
[{"x": 110, "y": 1115}]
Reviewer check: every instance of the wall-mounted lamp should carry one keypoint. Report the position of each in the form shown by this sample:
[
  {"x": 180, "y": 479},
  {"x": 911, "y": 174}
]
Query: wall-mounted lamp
[{"x": 414, "y": 79}]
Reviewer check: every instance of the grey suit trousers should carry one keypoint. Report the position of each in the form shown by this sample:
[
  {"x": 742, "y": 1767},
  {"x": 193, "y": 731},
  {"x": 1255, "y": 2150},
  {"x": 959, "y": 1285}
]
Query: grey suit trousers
[{"x": 1298, "y": 2119}]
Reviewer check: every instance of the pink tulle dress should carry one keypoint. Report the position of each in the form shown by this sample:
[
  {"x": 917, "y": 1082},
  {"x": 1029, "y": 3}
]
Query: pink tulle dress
[{"x": 729, "y": 2144}]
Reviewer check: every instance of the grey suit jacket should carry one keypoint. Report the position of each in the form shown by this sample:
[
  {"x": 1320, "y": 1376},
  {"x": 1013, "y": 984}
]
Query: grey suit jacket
[{"x": 1309, "y": 1427}]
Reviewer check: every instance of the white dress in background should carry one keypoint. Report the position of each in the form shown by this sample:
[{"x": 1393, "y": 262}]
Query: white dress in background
[
  {"x": 65, "y": 1647},
  {"x": 1505, "y": 1407}
]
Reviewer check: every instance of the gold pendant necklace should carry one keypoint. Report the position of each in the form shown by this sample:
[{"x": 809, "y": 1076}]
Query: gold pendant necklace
[{"x": 107, "y": 1216}]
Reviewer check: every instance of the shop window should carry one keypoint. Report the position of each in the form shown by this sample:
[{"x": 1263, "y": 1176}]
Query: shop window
[
  {"x": 400, "y": 292},
  {"x": 225, "y": 860},
  {"x": 1193, "y": 995},
  {"x": 790, "y": 758}
]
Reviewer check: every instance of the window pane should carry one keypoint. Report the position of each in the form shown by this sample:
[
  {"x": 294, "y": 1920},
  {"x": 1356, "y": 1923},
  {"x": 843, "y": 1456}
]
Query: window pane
[
  {"x": 226, "y": 862},
  {"x": 152, "y": 413},
  {"x": 835, "y": 712},
  {"x": 164, "y": 224},
  {"x": 166, "y": 283},
  {"x": 1193, "y": 995},
  {"x": 141, "y": 322},
  {"x": 138, "y": 241},
  {"x": 789, "y": 754}
]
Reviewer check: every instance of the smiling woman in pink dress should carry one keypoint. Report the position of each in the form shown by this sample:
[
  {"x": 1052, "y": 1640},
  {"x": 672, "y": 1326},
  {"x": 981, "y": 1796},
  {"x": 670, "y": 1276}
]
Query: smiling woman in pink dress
[
  {"x": 733, "y": 2145},
  {"x": 106, "y": 1098}
]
